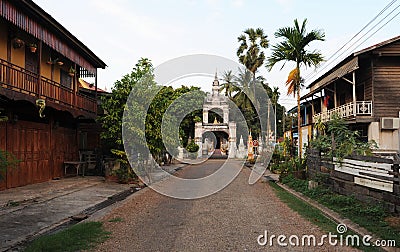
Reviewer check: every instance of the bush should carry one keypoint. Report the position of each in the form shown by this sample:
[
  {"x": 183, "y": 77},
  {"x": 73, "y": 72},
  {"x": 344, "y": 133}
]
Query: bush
[
  {"x": 192, "y": 147},
  {"x": 7, "y": 159}
]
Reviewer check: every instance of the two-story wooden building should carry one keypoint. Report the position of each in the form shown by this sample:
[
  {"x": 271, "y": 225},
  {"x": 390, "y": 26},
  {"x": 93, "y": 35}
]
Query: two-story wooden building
[
  {"x": 364, "y": 88},
  {"x": 41, "y": 63}
]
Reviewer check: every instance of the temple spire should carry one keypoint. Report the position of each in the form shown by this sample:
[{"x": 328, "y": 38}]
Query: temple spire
[{"x": 216, "y": 82}]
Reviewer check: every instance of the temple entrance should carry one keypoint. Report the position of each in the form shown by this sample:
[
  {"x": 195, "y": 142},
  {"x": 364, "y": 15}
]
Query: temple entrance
[
  {"x": 216, "y": 142},
  {"x": 216, "y": 134}
]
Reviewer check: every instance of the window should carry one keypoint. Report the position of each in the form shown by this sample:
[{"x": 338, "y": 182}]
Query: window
[{"x": 65, "y": 79}]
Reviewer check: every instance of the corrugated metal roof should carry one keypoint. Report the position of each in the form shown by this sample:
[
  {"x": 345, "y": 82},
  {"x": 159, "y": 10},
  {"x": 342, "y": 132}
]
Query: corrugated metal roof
[{"x": 341, "y": 71}]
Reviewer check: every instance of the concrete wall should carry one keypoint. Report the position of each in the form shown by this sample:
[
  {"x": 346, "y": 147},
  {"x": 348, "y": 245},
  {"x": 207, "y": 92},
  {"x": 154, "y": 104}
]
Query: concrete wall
[{"x": 387, "y": 140}]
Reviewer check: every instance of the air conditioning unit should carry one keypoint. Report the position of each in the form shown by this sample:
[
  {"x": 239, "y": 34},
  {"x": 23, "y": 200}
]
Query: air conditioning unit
[{"x": 390, "y": 123}]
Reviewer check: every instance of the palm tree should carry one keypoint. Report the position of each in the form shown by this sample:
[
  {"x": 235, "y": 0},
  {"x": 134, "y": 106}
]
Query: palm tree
[
  {"x": 243, "y": 81},
  {"x": 293, "y": 48},
  {"x": 250, "y": 51},
  {"x": 274, "y": 100},
  {"x": 228, "y": 79}
]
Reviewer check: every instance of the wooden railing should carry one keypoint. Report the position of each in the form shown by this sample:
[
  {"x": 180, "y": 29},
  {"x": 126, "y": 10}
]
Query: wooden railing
[
  {"x": 361, "y": 108},
  {"x": 19, "y": 79}
]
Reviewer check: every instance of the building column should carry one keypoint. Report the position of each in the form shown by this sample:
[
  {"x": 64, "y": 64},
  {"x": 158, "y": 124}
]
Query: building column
[
  {"x": 354, "y": 94},
  {"x": 205, "y": 115}
]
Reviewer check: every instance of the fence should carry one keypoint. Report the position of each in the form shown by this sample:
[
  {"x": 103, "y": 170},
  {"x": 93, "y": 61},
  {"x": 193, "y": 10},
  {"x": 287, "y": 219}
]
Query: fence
[{"x": 369, "y": 179}]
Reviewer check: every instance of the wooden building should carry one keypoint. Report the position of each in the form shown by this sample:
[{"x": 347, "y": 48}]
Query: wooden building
[
  {"x": 364, "y": 89},
  {"x": 42, "y": 62}
]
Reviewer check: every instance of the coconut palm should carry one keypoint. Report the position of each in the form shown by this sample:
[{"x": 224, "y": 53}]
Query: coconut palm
[
  {"x": 228, "y": 79},
  {"x": 250, "y": 52},
  {"x": 294, "y": 48},
  {"x": 243, "y": 81}
]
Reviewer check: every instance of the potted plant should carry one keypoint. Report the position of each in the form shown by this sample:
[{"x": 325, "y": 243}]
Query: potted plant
[
  {"x": 18, "y": 43},
  {"x": 60, "y": 63},
  {"x": 50, "y": 61},
  {"x": 72, "y": 71},
  {"x": 33, "y": 47},
  {"x": 192, "y": 148}
]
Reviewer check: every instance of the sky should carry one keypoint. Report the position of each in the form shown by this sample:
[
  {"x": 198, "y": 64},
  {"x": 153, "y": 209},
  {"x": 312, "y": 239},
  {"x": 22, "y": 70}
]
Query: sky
[{"x": 121, "y": 32}]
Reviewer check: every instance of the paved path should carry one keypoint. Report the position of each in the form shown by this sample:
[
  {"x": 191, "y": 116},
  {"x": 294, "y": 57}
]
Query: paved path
[
  {"x": 26, "y": 211},
  {"x": 230, "y": 220}
]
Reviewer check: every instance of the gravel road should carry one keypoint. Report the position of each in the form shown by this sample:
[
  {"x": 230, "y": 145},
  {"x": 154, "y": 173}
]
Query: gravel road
[{"x": 230, "y": 220}]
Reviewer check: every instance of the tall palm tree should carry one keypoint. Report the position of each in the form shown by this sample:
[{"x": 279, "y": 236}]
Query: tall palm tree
[
  {"x": 294, "y": 48},
  {"x": 250, "y": 52}
]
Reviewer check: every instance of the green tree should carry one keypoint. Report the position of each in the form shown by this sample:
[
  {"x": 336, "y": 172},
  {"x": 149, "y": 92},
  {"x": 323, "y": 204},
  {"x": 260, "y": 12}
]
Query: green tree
[
  {"x": 337, "y": 140},
  {"x": 115, "y": 103},
  {"x": 228, "y": 83},
  {"x": 294, "y": 48},
  {"x": 274, "y": 100},
  {"x": 250, "y": 52}
]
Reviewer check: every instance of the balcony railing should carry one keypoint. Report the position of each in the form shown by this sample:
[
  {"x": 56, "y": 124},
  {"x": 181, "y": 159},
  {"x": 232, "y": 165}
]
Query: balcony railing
[
  {"x": 362, "y": 108},
  {"x": 19, "y": 79}
]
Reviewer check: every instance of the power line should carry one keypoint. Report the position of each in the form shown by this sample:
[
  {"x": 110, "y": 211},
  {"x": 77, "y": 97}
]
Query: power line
[{"x": 313, "y": 74}]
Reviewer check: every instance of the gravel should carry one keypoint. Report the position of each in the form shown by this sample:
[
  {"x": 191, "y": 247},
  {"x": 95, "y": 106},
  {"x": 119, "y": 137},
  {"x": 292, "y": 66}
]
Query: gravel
[{"x": 230, "y": 220}]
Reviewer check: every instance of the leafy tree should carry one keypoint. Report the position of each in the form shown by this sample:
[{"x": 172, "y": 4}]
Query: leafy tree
[
  {"x": 115, "y": 103},
  {"x": 339, "y": 141},
  {"x": 293, "y": 48}
]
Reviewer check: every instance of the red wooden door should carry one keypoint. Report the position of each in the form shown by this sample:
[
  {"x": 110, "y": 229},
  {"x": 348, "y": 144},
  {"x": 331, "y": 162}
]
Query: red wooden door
[
  {"x": 65, "y": 148},
  {"x": 30, "y": 143}
]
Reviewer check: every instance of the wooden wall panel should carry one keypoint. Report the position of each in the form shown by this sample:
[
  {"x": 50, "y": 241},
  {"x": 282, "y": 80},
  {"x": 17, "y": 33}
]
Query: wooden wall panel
[
  {"x": 3, "y": 141},
  {"x": 386, "y": 91},
  {"x": 65, "y": 147}
]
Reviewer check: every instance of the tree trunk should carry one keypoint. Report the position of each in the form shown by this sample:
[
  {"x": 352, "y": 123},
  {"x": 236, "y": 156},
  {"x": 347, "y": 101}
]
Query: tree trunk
[
  {"x": 298, "y": 80},
  {"x": 299, "y": 122}
]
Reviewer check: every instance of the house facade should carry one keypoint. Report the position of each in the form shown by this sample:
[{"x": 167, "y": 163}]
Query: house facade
[
  {"x": 364, "y": 89},
  {"x": 48, "y": 115}
]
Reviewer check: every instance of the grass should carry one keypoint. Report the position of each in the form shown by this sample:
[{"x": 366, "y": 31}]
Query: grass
[
  {"x": 311, "y": 214},
  {"x": 116, "y": 219},
  {"x": 79, "y": 237},
  {"x": 370, "y": 216}
]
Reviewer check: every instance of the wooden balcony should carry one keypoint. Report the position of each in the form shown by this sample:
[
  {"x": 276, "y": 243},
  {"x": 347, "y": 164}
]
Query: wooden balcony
[
  {"x": 349, "y": 110},
  {"x": 20, "y": 80}
]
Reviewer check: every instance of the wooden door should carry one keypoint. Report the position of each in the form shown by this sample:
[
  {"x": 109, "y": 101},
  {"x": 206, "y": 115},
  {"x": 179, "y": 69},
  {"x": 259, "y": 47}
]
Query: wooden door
[
  {"x": 30, "y": 143},
  {"x": 65, "y": 148}
]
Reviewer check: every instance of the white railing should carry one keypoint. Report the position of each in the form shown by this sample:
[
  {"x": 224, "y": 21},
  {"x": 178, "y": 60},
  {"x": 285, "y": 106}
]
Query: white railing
[{"x": 362, "y": 108}]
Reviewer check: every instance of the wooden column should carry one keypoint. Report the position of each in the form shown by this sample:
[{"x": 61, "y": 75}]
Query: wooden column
[
  {"x": 312, "y": 108},
  {"x": 334, "y": 95},
  {"x": 354, "y": 94},
  {"x": 40, "y": 69},
  {"x": 75, "y": 87},
  {"x": 95, "y": 92}
]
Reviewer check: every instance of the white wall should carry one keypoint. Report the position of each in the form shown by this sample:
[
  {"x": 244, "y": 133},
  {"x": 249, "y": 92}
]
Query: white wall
[{"x": 386, "y": 139}]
